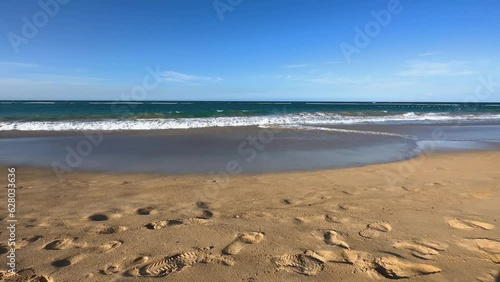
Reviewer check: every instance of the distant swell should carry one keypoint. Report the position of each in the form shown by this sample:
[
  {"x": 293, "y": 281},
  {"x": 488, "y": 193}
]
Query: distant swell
[{"x": 295, "y": 119}]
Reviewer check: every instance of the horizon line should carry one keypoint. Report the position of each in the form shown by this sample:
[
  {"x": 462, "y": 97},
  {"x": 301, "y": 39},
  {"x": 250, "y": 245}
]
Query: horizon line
[{"x": 252, "y": 101}]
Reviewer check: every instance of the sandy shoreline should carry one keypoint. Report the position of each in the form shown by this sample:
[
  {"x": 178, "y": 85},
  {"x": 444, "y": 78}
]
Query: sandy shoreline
[
  {"x": 434, "y": 218},
  {"x": 254, "y": 150}
]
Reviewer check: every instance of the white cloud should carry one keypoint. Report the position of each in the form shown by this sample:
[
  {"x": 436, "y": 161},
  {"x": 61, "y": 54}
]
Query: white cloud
[
  {"x": 55, "y": 79},
  {"x": 367, "y": 82},
  {"x": 174, "y": 76},
  {"x": 17, "y": 65},
  {"x": 14, "y": 81},
  {"x": 296, "y": 66},
  {"x": 331, "y": 78},
  {"x": 416, "y": 68},
  {"x": 331, "y": 62},
  {"x": 427, "y": 54}
]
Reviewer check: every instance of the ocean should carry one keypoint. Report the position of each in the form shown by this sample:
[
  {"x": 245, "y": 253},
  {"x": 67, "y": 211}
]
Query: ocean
[
  {"x": 153, "y": 115},
  {"x": 260, "y": 137}
]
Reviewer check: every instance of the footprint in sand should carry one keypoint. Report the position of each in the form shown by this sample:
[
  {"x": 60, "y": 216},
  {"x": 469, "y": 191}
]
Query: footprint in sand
[
  {"x": 104, "y": 216},
  {"x": 3, "y": 249},
  {"x": 241, "y": 241},
  {"x": 146, "y": 211},
  {"x": 206, "y": 214},
  {"x": 299, "y": 220},
  {"x": 110, "y": 246},
  {"x": 98, "y": 217},
  {"x": 202, "y": 219},
  {"x": 140, "y": 260},
  {"x": 65, "y": 243},
  {"x": 176, "y": 263},
  {"x": 357, "y": 258},
  {"x": 422, "y": 249},
  {"x": 203, "y": 205},
  {"x": 7, "y": 276},
  {"x": 336, "y": 219},
  {"x": 465, "y": 224},
  {"x": 394, "y": 268},
  {"x": 331, "y": 238},
  {"x": 361, "y": 261},
  {"x": 309, "y": 199},
  {"x": 32, "y": 239},
  {"x": 349, "y": 207},
  {"x": 28, "y": 240},
  {"x": 433, "y": 245},
  {"x": 389, "y": 267},
  {"x": 108, "y": 229},
  {"x": 488, "y": 247},
  {"x": 374, "y": 230},
  {"x": 159, "y": 224},
  {"x": 305, "y": 264},
  {"x": 115, "y": 268},
  {"x": 67, "y": 261},
  {"x": 110, "y": 269}
]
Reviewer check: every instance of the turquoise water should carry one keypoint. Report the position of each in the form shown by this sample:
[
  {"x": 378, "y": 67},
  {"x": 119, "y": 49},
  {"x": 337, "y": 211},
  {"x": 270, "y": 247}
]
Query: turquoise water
[{"x": 108, "y": 115}]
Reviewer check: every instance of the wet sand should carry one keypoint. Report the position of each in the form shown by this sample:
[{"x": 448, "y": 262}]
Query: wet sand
[
  {"x": 252, "y": 149},
  {"x": 433, "y": 218}
]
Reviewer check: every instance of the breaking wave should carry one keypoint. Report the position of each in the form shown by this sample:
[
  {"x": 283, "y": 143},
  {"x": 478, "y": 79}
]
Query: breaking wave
[{"x": 295, "y": 119}]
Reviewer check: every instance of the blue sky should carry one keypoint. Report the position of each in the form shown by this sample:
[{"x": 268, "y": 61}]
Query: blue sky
[{"x": 420, "y": 50}]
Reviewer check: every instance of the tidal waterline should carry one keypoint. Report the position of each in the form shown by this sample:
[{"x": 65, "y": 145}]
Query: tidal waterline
[{"x": 240, "y": 149}]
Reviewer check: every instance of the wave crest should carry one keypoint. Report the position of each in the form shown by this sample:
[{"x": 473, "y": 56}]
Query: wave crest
[{"x": 317, "y": 118}]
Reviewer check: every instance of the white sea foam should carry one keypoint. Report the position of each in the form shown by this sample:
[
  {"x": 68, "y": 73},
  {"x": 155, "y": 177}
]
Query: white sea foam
[{"x": 263, "y": 121}]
